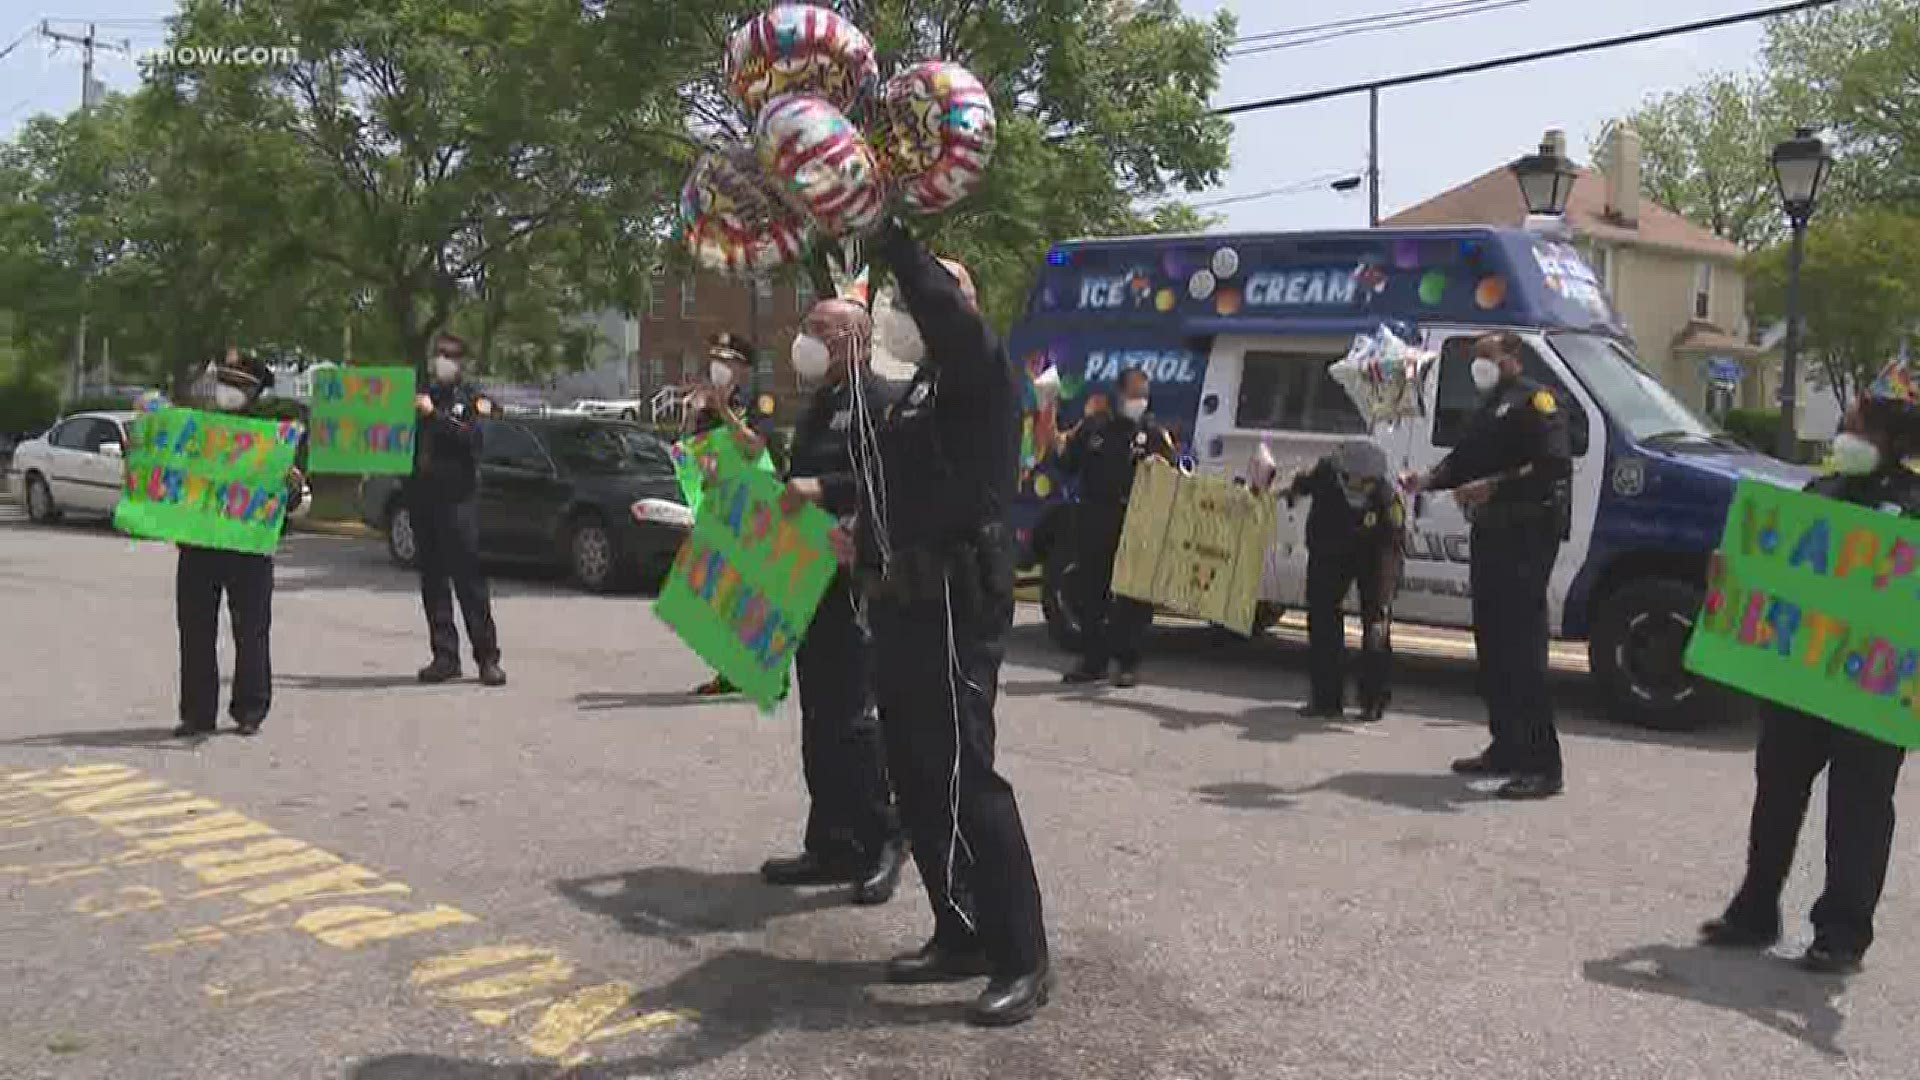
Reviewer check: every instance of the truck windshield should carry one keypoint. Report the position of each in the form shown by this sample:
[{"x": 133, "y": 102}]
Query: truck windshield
[{"x": 1632, "y": 398}]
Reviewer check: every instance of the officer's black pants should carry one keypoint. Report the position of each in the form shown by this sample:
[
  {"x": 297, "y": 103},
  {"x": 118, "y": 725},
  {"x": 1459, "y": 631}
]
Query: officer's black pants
[
  {"x": 1331, "y": 571},
  {"x": 961, "y": 816},
  {"x": 200, "y": 578},
  {"x": 1111, "y": 626},
  {"x": 1509, "y": 567},
  {"x": 446, "y": 536},
  {"x": 1861, "y": 777},
  {"x": 841, "y": 751}
]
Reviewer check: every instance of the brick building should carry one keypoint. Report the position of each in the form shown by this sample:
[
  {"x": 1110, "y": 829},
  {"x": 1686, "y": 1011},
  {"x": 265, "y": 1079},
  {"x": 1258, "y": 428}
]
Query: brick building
[{"x": 685, "y": 311}]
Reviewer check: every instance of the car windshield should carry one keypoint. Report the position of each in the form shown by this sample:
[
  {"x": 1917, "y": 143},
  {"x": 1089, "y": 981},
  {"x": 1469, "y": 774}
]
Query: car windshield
[
  {"x": 606, "y": 448},
  {"x": 1632, "y": 398}
]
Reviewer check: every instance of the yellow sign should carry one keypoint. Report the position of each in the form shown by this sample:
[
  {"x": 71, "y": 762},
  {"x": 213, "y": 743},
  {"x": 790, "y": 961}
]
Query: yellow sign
[{"x": 1194, "y": 545}]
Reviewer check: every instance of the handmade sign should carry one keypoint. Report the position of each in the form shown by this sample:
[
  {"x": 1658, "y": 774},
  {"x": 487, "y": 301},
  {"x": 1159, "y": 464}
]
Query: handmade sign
[
  {"x": 207, "y": 479},
  {"x": 1810, "y": 603},
  {"x": 1194, "y": 545},
  {"x": 695, "y": 457},
  {"x": 746, "y": 581},
  {"x": 363, "y": 422}
]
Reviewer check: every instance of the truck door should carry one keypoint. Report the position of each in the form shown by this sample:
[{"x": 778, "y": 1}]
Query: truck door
[
  {"x": 1275, "y": 389},
  {"x": 1434, "y": 587}
]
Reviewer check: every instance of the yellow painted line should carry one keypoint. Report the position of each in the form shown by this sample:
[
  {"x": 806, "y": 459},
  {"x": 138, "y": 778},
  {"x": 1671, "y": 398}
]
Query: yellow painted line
[{"x": 287, "y": 885}]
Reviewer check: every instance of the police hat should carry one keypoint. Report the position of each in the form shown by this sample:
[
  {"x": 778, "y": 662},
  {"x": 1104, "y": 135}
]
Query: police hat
[
  {"x": 730, "y": 348},
  {"x": 247, "y": 372}
]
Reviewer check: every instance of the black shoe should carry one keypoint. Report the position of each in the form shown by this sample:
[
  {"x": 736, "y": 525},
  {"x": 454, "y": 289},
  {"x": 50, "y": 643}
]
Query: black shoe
[
  {"x": 883, "y": 877},
  {"x": 1724, "y": 933},
  {"x": 717, "y": 686},
  {"x": 440, "y": 671},
  {"x": 1008, "y": 1001},
  {"x": 1372, "y": 713},
  {"x": 1824, "y": 959},
  {"x": 807, "y": 868},
  {"x": 1479, "y": 765},
  {"x": 188, "y": 731},
  {"x": 1321, "y": 712},
  {"x": 935, "y": 963},
  {"x": 491, "y": 675},
  {"x": 1083, "y": 675},
  {"x": 1531, "y": 786},
  {"x": 1126, "y": 678},
  {"x": 247, "y": 727}
]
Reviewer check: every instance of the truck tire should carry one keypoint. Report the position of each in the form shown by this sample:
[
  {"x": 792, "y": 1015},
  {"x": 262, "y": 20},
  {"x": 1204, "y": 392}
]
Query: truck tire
[
  {"x": 1056, "y": 595},
  {"x": 1635, "y": 653}
]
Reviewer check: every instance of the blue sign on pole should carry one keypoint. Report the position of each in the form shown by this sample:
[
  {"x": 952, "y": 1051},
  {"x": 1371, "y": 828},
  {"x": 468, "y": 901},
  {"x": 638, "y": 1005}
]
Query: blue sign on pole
[{"x": 1725, "y": 370}]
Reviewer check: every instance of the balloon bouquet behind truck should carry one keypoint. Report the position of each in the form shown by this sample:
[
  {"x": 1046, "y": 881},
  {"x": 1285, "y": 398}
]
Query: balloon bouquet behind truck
[{"x": 1237, "y": 332}]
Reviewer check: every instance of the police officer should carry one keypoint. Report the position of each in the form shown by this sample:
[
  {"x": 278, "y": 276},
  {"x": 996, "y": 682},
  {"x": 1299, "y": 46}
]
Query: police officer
[
  {"x": 1104, "y": 451},
  {"x": 1879, "y": 431},
  {"x": 442, "y": 497},
  {"x": 1353, "y": 538},
  {"x": 203, "y": 574},
  {"x": 1510, "y": 473},
  {"x": 725, "y": 402},
  {"x": 853, "y": 833},
  {"x": 937, "y": 558}
]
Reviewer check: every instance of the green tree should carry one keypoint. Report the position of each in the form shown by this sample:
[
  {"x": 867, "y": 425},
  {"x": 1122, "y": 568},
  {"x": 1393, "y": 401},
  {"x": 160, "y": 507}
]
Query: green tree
[
  {"x": 1859, "y": 292},
  {"x": 1854, "y": 69}
]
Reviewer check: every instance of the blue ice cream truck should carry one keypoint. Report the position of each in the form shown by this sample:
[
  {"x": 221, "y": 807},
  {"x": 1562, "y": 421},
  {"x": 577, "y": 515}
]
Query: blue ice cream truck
[{"x": 1237, "y": 332}]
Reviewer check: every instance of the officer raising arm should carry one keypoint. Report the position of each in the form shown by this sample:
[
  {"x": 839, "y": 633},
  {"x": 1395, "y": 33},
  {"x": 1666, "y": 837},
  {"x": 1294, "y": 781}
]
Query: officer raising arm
[{"x": 1510, "y": 473}]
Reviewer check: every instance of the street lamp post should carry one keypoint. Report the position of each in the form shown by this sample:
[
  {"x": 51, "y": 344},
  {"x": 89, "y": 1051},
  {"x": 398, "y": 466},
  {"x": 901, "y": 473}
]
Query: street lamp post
[
  {"x": 1546, "y": 179},
  {"x": 1799, "y": 167}
]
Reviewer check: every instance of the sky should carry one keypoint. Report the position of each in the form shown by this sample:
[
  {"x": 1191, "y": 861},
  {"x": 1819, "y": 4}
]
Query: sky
[{"x": 1433, "y": 136}]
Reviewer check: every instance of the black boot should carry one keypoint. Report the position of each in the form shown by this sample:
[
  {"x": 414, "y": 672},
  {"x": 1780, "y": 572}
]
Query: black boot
[
  {"x": 1531, "y": 786},
  {"x": 808, "y": 868},
  {"x": 1084, "y": 673},
  {"x": 1481, "y": 764},
  {"x": 1012, "y": 1000},
  {"x": 937, "y": 963},
  {"x": 883, "y": 876},
  {"x": 1726, "y": 933},
  {"x": 191, "y": 731},
  {"x": 1825, "y": 958},
  {"x": 440, "y": 671},
  {"x": 492, "y": 675}
]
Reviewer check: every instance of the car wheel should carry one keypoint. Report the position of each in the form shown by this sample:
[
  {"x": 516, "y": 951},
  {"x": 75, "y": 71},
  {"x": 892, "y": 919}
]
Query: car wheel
[
  {"x": 1637, "y": 650},
  {"x": 402, "y": 547},
  {"x": 1057, "y": 592},
  {"x": 593, "y": 556},
  {"x": 40, "y": 505}
]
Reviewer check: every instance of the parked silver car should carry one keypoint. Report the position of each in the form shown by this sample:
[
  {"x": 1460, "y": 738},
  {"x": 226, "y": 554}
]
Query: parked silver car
[{"x": 76, "y": 467}]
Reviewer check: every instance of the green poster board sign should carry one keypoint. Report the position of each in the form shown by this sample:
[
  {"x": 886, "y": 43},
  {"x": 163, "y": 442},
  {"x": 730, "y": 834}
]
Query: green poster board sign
[
  {"x": 363, "y": 422},
  {"x": 688, "y": 456},
  {"x": 1815, "y": 604},
  {"x": 207, "y": 479},
  {"x": 746, "y": 581}
]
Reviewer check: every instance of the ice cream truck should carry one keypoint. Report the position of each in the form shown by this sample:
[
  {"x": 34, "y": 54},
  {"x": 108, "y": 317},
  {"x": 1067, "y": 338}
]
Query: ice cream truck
[{"x": 1237, "y": 332}]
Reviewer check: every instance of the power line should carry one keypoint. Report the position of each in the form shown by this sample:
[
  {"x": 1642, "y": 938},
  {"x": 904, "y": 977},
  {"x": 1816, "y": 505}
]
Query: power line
[
  {"x": 1298, "y": 187},
  {"x": 1521, "y": 58},
  {"x": 1354, "y": 20},
  {"x": 1390, "y": 23}
]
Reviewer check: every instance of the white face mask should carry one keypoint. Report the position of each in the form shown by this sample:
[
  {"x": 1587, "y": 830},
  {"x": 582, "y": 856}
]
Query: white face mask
[
  {"x": 446, "y": 369},
  {"x": 720, "y": 375},
  {"x": 1854, "y": 456},
  {"x": 229, "y": 398},
  {"x": 896, "y": 336},
  {"x": 1133, "y": 408},
  {"x": 811, "y": 357},
  {"x": 1486, "y": 374}
]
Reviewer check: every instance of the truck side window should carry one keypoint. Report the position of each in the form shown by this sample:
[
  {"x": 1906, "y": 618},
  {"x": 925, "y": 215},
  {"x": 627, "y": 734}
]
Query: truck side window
[
  {"x": 1291, "y": 391},
  {"x": 1458, "y": 398}
]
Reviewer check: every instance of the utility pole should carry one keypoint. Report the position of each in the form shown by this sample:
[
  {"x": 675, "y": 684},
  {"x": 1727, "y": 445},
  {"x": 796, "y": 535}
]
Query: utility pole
[
  {"x": 88, "y": 95},
  {"x": 1373, "y": 157}
]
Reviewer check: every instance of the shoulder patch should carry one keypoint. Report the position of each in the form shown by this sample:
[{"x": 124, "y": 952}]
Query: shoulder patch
[{"x": 1543, "y": 402}]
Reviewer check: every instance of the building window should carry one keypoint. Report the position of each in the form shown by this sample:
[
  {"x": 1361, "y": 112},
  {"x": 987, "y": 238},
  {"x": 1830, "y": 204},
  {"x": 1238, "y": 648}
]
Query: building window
[
  {"x": 657, "y": 372},
  {"x": 656, "y": 292},
  {"x": 1602, "y": 260},
  {"x": 686, "y": 298},
  {"x": 1702, "y": 290}
]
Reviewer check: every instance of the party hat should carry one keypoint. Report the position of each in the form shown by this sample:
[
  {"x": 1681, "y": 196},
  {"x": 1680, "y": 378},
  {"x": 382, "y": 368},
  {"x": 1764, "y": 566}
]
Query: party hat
[
  {"x": 1897, "y": 381},
  {"x": 856, "y": 288}
]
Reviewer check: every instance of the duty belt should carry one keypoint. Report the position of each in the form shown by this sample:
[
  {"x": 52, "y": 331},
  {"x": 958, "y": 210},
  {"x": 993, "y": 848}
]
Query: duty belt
[{"x": 927, "y": 574}]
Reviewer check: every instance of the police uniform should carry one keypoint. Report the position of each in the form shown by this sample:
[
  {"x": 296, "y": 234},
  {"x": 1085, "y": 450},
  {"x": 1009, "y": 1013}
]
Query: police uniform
[
  {"x": 1104, "y": 452},
  {"x": 1862, "y": 773},
  {"x": 937, "y": 563},
  {"x": 1518, "y": 437},
  {"x": 201, "y": 578},
  {"x": 442, "y": 497},
  {"x": 852, "y": 831},
  {"x": 1353, "y": 538}
]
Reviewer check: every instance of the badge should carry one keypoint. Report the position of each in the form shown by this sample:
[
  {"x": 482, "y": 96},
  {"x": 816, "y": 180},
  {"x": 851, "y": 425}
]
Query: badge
[
  {"x": 1370, "y": 520},
  {"x": 841, "y": 420},
  {"x": 919, "y": 395},
  {"x": 1502, "y": 410},
  {"x": 1629, "y": 478},
  {"x": 1543, "y": 402},
  {"x": 1140, "y": 439}
]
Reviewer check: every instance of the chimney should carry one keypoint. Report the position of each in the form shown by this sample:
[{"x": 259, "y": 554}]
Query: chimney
[{"x": 1623, "y": 176}]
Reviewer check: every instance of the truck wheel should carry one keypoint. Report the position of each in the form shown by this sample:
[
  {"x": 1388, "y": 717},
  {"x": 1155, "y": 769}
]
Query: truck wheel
[
  {"x": 1636, "y": 650},
  {"x": 1056, "y": 595}
]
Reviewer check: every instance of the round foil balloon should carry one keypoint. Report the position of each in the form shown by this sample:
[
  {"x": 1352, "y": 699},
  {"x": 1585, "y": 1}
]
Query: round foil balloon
[
  {"x": 935, "y": 133},
  {"x": 733, "y": 217},
  {"x": 826, "y": 165},
  {"x": 799, "y": 48}
]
